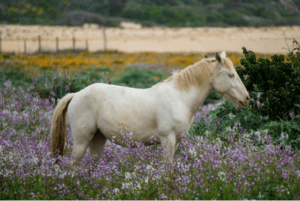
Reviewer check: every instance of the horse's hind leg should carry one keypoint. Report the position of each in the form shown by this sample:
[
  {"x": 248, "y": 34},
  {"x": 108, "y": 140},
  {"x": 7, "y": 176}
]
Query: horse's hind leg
[
  {"x": 97, "y": 144},
  {"x": 82, "y": 136}
]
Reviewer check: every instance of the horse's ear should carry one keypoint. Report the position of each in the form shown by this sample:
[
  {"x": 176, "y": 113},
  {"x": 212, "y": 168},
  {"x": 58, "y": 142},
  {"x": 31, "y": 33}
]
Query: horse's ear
[
  {"x": 218, "y": 58},
  {"x": 223, "y": 54}
]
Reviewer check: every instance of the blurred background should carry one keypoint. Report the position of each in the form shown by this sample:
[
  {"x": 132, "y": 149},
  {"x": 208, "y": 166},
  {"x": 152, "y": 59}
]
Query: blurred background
[
  {"x": 29, "y": 26},
  {"x": 168, "y": 13}
]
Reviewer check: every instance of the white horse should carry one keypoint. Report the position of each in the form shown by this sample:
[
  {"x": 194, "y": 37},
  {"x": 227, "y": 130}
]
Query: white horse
[{"x": 102, "y": 111}]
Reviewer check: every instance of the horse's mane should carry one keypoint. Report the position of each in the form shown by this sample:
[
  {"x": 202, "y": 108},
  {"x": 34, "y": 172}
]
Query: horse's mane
[{"x": 197, "y": 74}]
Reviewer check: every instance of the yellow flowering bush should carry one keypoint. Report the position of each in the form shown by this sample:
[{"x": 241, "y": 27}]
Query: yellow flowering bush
[
  {"x": 71, "y": 62},
  {"x": 27, "y": 8}
]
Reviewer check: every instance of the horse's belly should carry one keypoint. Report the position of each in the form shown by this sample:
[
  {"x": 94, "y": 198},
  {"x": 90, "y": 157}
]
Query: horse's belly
[
  {"x": 137, "y": 125},
  {"x": 119, "y": 132}
]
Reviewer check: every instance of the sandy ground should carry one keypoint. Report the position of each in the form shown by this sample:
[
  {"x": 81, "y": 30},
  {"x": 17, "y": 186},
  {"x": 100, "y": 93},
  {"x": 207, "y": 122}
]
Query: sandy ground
[{"x": 136, "y": 39}]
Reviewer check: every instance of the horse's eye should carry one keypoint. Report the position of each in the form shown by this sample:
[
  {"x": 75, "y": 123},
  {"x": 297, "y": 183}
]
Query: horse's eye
[{"x": 231, "y": 75}]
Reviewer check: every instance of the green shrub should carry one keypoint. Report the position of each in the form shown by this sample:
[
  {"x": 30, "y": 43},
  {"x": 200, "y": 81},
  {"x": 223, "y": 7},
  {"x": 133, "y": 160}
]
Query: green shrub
[
  {"x": 285, "y": 132},
  {"x": 228, "y": 114},
  {"x": 199, "y": 127},
  {"x": 228, "y": 118},
  {"x": 212, "y": 98},
  {"x": 277, "y": 81},
  {"x": 61, "y": 84},
  {"x": 137, "y": 78},
  {"x": 115, "y": 6},
  {"x": 17, "y": 76},
  {"x": 294, "y": 54},
  {"x": 224, "y": 116},
  {"x": 164, "y": 15}
]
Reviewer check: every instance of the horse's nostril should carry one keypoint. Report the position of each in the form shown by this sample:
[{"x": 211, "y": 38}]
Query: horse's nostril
[{"x": 248, "y": 98}]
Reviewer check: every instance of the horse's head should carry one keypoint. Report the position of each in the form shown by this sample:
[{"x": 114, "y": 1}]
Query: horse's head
[{"x": 227, "y": 82}]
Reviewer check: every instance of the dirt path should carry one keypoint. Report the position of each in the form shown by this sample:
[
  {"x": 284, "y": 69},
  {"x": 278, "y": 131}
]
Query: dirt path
[{"x": 135, "y": 39}]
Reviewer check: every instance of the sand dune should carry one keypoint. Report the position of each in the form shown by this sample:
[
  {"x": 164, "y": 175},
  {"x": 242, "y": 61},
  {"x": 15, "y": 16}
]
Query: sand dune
[{"x": 137, "y": 39}]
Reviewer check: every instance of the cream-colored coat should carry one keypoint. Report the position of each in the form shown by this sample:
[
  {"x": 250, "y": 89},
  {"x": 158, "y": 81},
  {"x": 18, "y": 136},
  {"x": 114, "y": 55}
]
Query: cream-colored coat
[{"x": 101, "y": 111}]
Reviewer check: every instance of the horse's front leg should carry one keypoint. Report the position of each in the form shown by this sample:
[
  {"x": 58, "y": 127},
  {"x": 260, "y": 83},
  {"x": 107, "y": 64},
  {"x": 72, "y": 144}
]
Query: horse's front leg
[{"x": 169, "y": 142}]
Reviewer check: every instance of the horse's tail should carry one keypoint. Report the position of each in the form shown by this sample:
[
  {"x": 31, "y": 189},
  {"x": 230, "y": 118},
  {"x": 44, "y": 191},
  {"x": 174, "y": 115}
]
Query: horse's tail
[{"x": 58, "y": 127}]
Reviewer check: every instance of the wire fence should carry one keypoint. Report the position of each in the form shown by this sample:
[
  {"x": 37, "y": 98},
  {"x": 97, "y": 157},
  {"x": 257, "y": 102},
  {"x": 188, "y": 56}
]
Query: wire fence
[{"x": 43, "y": 44}]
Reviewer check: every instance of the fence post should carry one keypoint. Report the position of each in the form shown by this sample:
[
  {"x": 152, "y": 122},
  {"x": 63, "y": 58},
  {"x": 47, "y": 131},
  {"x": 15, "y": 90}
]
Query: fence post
[
  {"x": 73, "y": 43},
  {"x": 57, "y": 44},
  {"x": 86, "y": 45},
  {"x": 24, "y": 46},
  {"x": 40, "y": 44},
  {"x": 0, "y": 42},
  {"x": 104, "y": 36}
]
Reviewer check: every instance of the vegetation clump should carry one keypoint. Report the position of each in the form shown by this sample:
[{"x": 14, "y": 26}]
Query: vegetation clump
[
  {"x": 172, "y": 13},
  {"x": 272, "y": 84},
  {"x": 137, "y": 78}
]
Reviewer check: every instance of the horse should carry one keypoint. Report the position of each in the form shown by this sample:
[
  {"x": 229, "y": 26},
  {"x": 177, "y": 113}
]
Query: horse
[{"x": 157, "y": 115}]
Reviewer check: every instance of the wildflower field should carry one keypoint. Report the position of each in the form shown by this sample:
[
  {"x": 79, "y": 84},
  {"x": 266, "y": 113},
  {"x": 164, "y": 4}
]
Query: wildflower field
[{"x": 228, "y": 157}]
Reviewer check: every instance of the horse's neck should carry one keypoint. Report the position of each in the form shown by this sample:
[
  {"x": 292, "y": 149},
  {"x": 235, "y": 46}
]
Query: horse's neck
[
  {"x": 195, "y": 97},
  {"x": 192, "y": 98}
]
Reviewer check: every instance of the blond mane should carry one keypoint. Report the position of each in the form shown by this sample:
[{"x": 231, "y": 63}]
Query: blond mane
[{"x": 197, "y": 74}]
